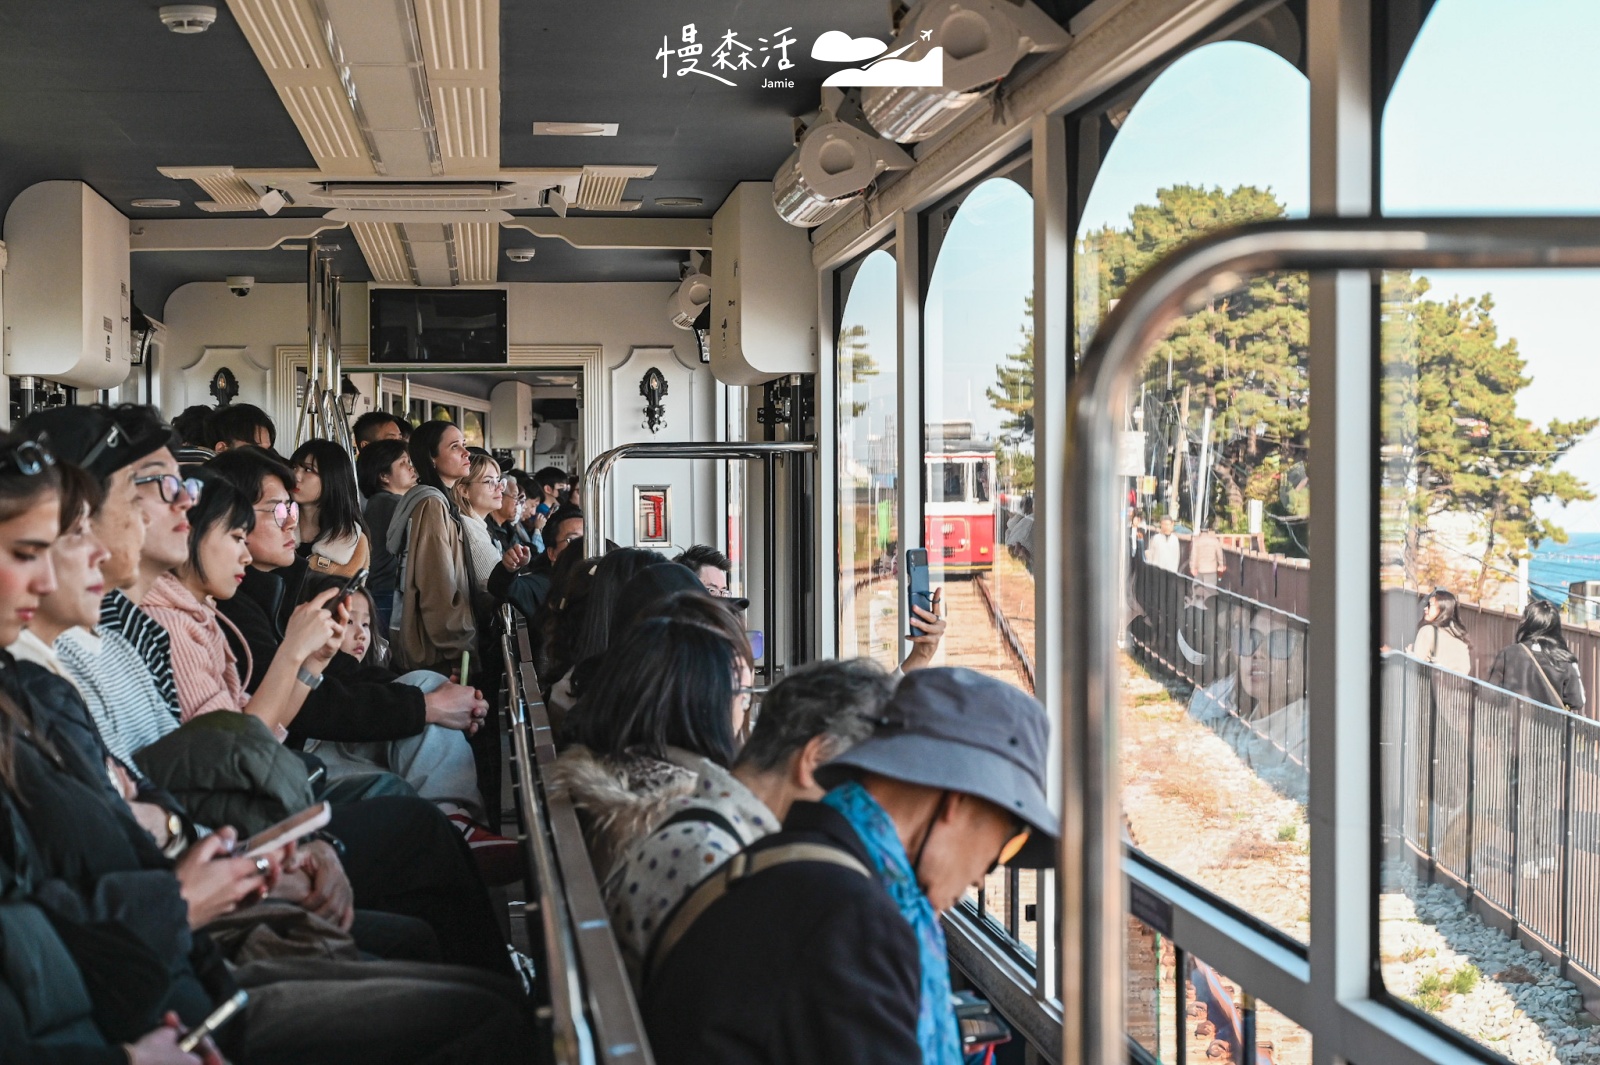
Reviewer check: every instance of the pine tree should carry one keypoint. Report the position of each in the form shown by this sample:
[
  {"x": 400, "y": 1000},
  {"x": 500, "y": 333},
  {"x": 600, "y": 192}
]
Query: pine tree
[
  {"x": 857, "y": 355},
  {"x": 1013, "y": 387}
]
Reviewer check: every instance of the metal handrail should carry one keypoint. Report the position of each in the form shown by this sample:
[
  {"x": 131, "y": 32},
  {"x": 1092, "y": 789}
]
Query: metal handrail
[
  {"x": 1091, "y": 883},
  {"x": 594, "y": 477},
  {"x": 572, "y": 1043}
]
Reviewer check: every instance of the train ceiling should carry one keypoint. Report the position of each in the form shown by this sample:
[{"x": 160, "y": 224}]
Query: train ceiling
[{"x": 103, "y": 92}]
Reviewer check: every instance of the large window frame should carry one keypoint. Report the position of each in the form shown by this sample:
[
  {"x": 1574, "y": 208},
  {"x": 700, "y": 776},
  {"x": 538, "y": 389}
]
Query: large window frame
[{"x": 1331, "y": 987}]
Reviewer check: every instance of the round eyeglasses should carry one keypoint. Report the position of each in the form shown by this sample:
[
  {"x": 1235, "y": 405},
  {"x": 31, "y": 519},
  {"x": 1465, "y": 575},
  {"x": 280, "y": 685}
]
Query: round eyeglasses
[
  {"x": 172, "y": 487},
  {"x": 285, "y": 512}
]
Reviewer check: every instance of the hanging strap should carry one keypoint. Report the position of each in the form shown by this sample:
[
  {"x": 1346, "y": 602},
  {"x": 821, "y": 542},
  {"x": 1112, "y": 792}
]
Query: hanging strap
[
  {"x": 1555, "y": 694},
  {"x": 741, "y": 865}
]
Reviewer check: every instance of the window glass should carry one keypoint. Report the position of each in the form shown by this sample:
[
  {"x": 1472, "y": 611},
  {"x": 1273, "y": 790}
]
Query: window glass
[
  {"x": 1213, "y": 484},
  {"x": 1181, "y": 1011},
  {"x": 1489, "y": 550},
  {"x": 869, "y": 462},
  {"x": 472, "y": 427},
  {"x": 978, "y": 428}
]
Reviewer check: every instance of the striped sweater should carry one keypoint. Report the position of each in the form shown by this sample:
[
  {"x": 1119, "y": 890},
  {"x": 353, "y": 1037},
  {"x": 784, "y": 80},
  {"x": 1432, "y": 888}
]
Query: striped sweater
[
  {"x": 203, "y": 664},
  {"x": 121, "y": 615}
]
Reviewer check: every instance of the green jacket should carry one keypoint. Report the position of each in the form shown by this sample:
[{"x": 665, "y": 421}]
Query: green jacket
[{"x": 228, "y": 769}]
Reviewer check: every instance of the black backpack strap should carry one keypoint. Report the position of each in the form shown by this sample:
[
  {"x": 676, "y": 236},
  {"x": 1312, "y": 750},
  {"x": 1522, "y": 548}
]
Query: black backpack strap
[
  {"x": 741, "y": 865},
  {"x": 700, "y": 815}
]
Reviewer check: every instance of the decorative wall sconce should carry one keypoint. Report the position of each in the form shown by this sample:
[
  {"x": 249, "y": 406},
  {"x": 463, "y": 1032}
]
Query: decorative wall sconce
[{"x": 653, "y": 387}]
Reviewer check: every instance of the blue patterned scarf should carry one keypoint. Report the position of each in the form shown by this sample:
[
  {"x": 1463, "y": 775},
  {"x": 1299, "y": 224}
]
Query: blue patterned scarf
[{"x": 936, "y": 1019}]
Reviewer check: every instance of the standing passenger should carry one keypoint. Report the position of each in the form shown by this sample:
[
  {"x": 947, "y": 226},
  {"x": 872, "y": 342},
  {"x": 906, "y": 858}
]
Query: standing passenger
[
  {"x": 824, "y": 944},
  {"x": 384, "y": 474},
  {"x": 435, "y": 618},
  {"x": 329, "y": 530},
  {"x": 478, "y": 495}
]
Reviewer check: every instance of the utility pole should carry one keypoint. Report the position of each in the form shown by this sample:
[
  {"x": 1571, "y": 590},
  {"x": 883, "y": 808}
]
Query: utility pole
[{"x": 1180, "y": 444}]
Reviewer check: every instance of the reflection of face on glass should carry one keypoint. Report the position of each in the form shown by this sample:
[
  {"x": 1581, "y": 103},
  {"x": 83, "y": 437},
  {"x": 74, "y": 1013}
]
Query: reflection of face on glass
[
  {"x": 1271, "y": 653},
  {"x": 1430, "y": 612}
]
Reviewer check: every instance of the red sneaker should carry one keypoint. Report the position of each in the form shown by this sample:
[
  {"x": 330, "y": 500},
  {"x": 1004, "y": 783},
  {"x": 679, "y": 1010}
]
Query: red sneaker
[{"x": 499, "y": 859}]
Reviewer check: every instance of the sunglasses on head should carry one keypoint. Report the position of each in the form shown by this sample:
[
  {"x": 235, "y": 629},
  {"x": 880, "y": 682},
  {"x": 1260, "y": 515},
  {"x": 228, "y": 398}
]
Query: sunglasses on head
[
  {"x": 28, "y": 457},
  {"x": 172, "y": 487}
]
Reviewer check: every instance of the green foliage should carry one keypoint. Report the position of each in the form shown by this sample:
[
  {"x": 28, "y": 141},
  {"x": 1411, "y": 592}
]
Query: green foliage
[
  {"x": 1450, "y": 422},
  {"x": 1287, "y": 833},
  {"x": 1013, "y": 387},
  {"x": 1465, "y": 980},
  {"x": 856, "y": 364}
]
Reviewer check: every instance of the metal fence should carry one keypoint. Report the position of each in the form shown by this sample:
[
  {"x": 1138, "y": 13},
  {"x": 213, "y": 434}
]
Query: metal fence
[{"x": 1500, "y": 797}]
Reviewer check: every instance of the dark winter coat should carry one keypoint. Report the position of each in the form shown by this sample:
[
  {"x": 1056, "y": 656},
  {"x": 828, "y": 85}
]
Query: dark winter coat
[
  {"x": 807, "y": 963},
  {"x": 1515, "y": 670},
  {"x": 342, "y": 709},
  {"x": 229, "y": 769}
]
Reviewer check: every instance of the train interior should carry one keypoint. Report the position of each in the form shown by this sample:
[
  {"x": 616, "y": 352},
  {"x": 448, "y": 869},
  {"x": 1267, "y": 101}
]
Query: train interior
[{"x": 744, "y": 268}]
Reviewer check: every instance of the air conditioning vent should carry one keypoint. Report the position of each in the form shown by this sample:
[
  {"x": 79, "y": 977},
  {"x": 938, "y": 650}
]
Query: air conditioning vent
[{"x": 380, "y": 196}]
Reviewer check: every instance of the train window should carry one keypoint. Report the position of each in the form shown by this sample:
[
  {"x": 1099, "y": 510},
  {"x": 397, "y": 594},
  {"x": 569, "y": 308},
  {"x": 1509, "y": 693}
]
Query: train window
[
  {"x": 1182, "y": 1011},
  {"x": 1489, "y": 554},
  {"x": 869, "y": 461},
  {"x": 1214, "y": 695},
  {"x": 978, "y": 425}
]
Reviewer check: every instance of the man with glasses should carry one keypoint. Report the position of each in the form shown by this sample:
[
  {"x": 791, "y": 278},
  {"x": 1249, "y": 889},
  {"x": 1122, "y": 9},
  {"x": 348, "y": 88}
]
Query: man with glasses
[
  {"x": 822, "y": 942},
  {"x": 528, "y": 587}
]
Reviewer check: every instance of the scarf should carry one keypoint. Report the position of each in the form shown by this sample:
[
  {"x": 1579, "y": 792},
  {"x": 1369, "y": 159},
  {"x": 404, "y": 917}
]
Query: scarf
[{"x": 936, "y": 1019}]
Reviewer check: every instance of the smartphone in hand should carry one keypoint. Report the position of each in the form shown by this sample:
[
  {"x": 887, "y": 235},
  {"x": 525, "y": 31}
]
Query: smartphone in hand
[
  {"x": 353, "y": 584},
  {"x": 918, "y": 593}
]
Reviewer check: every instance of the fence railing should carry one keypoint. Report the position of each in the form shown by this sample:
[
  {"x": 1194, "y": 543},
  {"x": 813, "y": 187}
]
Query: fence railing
[{"x": 1498, "y": 796}]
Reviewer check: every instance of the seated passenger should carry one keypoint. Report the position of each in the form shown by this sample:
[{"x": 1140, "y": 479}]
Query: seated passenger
[
  {"x": 330, "y": 531},
  {"x": 192, "y": 427},
  {"x": 529, "y": 585},
  {"x": 373, "y": 426},
  {"x": 477, "y": 496},
  {"x": 673, "y": 695},
  {"x": 815, "y": 714},
  {"x": 710, "y": 565},
  {"x": 384, "y": 474},
  {"x": 207, "y": 671},
  {"x": 69, "y": 828},
  {"x": 240, "y": 425},
  {"x": 590, "y": 618},
  {"x": 841, "y": 959}
]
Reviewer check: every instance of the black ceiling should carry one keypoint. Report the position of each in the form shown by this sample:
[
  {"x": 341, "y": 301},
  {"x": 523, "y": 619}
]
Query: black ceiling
[{"x": 100, "y": 91}]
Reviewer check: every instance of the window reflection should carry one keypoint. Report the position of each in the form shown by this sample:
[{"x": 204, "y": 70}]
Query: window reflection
[
  {"x": 869, "y": 462},
  {"x": 1489, "y": 537},
  {"x": 1214, "y": 488}
]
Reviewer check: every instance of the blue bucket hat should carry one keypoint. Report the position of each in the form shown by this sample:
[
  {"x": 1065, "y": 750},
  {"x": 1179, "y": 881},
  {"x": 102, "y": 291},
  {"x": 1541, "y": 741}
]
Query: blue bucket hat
[{"x": 956, "y": 729}]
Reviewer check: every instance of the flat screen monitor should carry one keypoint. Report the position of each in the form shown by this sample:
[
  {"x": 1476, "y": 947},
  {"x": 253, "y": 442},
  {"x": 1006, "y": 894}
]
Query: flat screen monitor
[{"x": 452, "y": 326}]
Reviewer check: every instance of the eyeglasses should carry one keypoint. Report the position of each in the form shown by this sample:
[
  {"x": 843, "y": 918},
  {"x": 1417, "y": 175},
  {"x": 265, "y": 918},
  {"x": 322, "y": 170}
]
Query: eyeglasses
[
  {"x": 28, "y": 457},
  {"x": 1012, "y": 848},
  {"x": 721, "y": 592},
  {"x": 1281, "y": 643},
  {"x": 286, "y": 512},
  {"x": 172, "y": 487},
  {"x": 503, "y": 482}
]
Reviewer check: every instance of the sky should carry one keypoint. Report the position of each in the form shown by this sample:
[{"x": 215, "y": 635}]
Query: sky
[{"x": 1490, "y": 115}]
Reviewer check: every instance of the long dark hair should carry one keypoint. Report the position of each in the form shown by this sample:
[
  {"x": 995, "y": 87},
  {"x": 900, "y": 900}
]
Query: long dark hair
[
  {"x": 561, "y": 618},
  {"x": 20, "y": 492},
  {"x": 612, "y": 571},
  {"x": 221, "y": 504},
  {"x": 1449, "y": 615},
  {"x": 423, "y": 445},
  {"x": 1541, "y": 621},
  {"x": 667, "y": 683},
  {"x": 339, "y": 509}
]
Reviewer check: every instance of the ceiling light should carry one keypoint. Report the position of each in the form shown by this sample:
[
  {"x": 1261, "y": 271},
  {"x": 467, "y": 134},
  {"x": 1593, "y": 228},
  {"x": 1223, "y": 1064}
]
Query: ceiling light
[
  {"x": 519, "y": 255},
  {"x": 679, "y": 201},
  {"x": 188, "y": 18},
  {"x": 836, "y": 158},
  {"x": 575, "y": 129},
  {"x": 154, "y": 203}
]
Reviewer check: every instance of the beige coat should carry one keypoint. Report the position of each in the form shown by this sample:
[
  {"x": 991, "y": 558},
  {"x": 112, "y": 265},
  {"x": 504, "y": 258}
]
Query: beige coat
[{"x": 436, "y": 618}]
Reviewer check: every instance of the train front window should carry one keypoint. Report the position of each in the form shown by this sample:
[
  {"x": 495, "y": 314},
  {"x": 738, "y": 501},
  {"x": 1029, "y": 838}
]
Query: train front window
[
  {"x": 1215, "y": 495},
  {"x": 868, "y": 468},
  {"x": 1488, "y": 842}
]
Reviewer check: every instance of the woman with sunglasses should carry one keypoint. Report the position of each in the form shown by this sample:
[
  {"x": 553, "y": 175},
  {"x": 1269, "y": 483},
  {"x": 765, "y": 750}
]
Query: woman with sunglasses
[
  {"x": 1271, "y": 655},
  {"x": 203, "y": 661},
  {"x": 332, "y": 536}
]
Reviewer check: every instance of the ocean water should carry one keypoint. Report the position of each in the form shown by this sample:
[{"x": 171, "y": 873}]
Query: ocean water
[{"x": 1555, "y": 566}]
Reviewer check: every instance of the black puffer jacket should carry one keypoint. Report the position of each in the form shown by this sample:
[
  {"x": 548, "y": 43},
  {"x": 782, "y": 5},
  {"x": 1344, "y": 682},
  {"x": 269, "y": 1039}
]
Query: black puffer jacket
[{"x": 1533, "y": 669}]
